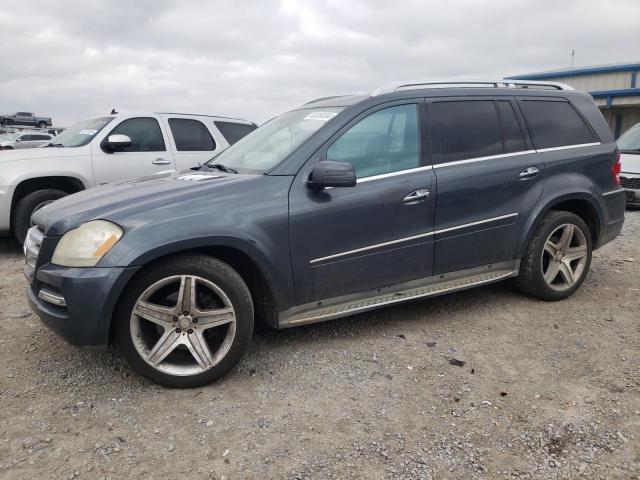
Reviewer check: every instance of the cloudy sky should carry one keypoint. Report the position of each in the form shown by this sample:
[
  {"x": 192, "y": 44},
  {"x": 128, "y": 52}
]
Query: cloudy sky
[{"x": 76, "y": 59}]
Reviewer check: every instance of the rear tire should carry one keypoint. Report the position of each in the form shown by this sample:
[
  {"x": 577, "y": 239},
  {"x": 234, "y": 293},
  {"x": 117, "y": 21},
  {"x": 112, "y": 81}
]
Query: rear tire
[
  {"x": 27, "y": 205},
  {"x": 558, "y": 257},
  {"x": 42, "y": 124},
  {"x": 178, "y": 344}
]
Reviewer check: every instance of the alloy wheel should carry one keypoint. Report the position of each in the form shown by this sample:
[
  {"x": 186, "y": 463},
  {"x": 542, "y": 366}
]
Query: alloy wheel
[
  {"x": 183, "y": 325},
  {"x": 564, "y": 257}
]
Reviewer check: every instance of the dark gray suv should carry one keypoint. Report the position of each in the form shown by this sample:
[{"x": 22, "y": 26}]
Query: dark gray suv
[{"x": 343, "y": 205}]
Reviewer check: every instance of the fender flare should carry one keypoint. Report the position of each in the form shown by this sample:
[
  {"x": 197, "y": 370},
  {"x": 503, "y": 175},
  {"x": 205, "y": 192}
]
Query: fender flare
[{"x": 547, "y": 204}]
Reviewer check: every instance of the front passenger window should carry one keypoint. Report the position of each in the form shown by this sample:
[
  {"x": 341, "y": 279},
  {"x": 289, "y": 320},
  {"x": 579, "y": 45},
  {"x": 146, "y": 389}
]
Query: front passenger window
[
  {"x": 385, "y": 141},
  {"x": 144, "y": 132}
]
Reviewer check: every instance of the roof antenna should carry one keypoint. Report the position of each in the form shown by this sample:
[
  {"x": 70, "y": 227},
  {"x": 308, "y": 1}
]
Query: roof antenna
[
  {"x": 573, "y": 54},
  {"x": 113, "y": 111}
]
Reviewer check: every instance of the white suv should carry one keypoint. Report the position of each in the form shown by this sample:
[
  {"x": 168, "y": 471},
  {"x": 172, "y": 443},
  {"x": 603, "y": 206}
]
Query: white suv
[{"x": 107, "y": 149}]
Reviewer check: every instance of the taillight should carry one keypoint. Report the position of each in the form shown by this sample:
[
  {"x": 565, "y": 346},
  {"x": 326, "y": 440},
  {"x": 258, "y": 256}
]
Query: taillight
[{"x": 615, "y": 169}]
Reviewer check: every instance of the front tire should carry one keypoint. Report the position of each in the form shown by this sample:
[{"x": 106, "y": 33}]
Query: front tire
[
  {"x": 26, "y": 207},
  {"x": 557, "y": 259},
  {"x": 42, "y": 124},
  {"x": 185, "y": 321}
]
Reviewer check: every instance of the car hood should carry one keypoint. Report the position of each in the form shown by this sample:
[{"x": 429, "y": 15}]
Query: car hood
[
  {"x": 630, "y": 163},
  {"x": 116, "y": 201},
  {"x": 7, "y": 156}
]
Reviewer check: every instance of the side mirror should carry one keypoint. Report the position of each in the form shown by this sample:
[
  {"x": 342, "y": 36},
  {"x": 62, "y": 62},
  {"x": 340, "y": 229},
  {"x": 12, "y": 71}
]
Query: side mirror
[
  {"x": 116, "y": 142},
  {"x": 18, "y": 139},
  {"x": 329, "y": 173}
]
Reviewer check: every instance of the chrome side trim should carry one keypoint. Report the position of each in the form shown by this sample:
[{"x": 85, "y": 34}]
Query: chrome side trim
[
  {"x": 54, "y": 298},
  {"x": 406, "y": 239},
  {"x": 479, "y": 222},
  {"x": 370, "y": 247},
  {"x": 567, "y": 147},
  {"x": 617, "y": 190},
  {"x": 393, "y": 174},
  {"x": 481, "y": 159}
]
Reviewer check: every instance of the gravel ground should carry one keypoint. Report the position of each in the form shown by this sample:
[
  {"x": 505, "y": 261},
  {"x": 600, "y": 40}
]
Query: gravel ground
[{"x": 485, "y": 383}]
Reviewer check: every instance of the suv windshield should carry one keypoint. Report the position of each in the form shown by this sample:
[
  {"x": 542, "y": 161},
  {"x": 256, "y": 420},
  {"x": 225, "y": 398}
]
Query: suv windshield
[
  {"x": 630, "y": 141},
  {"x": 81, "y": 133},
  {"x": 267, "y": 146}
]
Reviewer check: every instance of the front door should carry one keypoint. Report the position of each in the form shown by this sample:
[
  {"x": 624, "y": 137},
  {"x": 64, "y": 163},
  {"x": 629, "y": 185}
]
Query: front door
[
  {"x": 350, "y": 239},
  {"x": 148, "y": 153},
  {"x": 489, "y": 179}
]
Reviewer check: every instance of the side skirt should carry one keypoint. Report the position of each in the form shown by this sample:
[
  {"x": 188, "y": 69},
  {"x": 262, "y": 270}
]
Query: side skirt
[{"x": 352, "y": 304}]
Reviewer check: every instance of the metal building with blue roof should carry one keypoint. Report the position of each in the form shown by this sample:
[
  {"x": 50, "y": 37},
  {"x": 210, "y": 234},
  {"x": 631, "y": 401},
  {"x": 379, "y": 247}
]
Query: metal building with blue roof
[{"x": 615, "y": 89}]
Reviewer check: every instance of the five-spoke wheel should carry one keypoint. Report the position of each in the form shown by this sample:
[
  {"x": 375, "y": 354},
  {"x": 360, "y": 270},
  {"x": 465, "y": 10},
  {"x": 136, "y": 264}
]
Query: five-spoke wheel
[
  {"x": 187, "y": 321},
  {"x": 557, "y": 258}
]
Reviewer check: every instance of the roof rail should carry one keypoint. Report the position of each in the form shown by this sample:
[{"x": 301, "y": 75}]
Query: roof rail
[{"x": 419, "y": 84}]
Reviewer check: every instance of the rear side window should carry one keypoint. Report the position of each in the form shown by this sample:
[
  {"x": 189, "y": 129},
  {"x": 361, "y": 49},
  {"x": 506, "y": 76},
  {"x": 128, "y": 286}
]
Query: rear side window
[
  {"x": 234, "y": 131},
  {"x": 191, "y": 135},
  {"x": 144, "y": 132},
  {"x": 465, "y": 129},
  {"x": 555, "y": 124}
]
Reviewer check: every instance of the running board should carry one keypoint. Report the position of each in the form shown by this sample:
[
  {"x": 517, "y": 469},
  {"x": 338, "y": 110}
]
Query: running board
[{"x": 403, "y": 292}]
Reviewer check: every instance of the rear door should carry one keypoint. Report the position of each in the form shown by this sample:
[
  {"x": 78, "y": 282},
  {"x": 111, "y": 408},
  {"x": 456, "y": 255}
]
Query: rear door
[
  {"x": 194, "y": 140},
  {"x": 350, "y": 239},
  {"x": 148, "y": 153},
  {"x": 489, "y": 179}
]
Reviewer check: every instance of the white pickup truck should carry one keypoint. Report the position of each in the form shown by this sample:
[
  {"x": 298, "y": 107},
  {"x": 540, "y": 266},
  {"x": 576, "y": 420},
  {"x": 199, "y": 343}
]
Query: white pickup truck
[{"x": 103, "y": 150}]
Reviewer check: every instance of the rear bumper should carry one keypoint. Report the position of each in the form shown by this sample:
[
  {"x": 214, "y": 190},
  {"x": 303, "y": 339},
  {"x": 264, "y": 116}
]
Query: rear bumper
[
  {"x": 90, "y": 295},
  {"x": 614, "y": 204}
]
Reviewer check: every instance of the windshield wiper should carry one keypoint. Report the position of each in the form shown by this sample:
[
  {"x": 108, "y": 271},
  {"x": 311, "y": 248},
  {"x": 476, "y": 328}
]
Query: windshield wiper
[
  {"x": 223, "y": 168},
  {"x": 54, "y": 145},
  {"x": 631, "y": 150}
]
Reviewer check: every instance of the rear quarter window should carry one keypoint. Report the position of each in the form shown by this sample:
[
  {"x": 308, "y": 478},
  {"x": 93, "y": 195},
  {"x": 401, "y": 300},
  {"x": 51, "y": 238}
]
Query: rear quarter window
[
  {"x": 555, "y": 124},
  {"x": 233, "y": 132}
]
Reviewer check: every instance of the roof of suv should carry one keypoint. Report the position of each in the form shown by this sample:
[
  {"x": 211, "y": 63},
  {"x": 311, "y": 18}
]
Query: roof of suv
[{"x": 440, "y": 88}]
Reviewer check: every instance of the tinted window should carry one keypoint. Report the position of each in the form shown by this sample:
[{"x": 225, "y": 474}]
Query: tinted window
[
  {"x": 41, "y": 137},
  {"x": 191, "y": 135},
  {"x": 511, "y": 131},
  {"x": 234, "y": 131},
  {"x": 466, "y": 129},
  {"x": 145, "y": 135},
  {"x": 24, "y": 114},
  {"x": 554, "y": 124},
  {"x": 385, "y": 141}
]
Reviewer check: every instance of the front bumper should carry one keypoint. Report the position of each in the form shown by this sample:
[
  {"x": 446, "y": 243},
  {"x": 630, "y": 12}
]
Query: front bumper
[
  {"x": 631, "y": 184},
  {"x": 90, "y": 295}
]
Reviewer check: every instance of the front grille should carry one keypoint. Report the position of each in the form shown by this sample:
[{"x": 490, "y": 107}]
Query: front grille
[
  {"x": 630, "y": 182},
  {"x": 32, "y": 245}
]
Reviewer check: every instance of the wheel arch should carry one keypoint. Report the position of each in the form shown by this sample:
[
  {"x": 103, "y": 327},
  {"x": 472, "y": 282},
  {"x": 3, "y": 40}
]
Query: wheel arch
[
  {"x": 582, "y": 204},
  {"x": 26, "y": 186},
  {"x": 267, "y": 300}
]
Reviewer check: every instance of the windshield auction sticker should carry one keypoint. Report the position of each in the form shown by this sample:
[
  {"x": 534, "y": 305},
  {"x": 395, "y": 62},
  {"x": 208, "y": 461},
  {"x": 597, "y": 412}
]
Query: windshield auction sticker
[
  {"x": 321, "y": 116},
  {"x": 87, "y": 131}
]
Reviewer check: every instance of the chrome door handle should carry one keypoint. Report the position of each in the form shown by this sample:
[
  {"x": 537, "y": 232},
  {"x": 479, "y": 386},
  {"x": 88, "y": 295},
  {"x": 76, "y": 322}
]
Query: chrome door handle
[
  {"x": 161, "y": 161},
  {"x": 528, "y": 173},
  {"x": 416, "y": 196}
]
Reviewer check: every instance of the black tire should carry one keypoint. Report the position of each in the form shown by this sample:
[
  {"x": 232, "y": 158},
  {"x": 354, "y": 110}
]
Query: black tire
[
  {"x": 42, "y": 124},
  {"x": 21, "y": 215},
  {"x": 210, "y": 269},
  {"x": 530, "y": 279}
]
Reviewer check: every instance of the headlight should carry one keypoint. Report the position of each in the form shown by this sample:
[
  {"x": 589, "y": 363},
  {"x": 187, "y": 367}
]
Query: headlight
[{"x": 84, "y": 246}]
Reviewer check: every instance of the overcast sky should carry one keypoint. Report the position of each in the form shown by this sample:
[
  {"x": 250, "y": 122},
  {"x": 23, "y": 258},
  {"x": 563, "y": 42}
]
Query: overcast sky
[{"x": 76, "y": 59}]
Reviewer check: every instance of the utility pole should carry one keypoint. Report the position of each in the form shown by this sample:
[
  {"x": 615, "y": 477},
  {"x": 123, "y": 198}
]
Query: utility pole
[{"x": 573, "y": 54}]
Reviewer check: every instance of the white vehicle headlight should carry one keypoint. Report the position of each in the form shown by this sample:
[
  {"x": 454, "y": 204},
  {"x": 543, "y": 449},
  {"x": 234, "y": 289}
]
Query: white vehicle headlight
[{"x": 84, "y": 246}]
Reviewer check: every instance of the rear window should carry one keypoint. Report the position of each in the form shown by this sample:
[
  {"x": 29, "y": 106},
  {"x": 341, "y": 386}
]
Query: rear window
[
  {"x": 191, "y": 135},
  {"x": 555, "y": 124},
  {"x": 234, "y": 131},
  {"x": 474, "y": 128}
]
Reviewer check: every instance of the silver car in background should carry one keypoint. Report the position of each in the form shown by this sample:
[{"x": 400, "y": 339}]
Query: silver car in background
[
  {"x": 12, "y": 141},
  {"x": 629, "y": 146}
]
